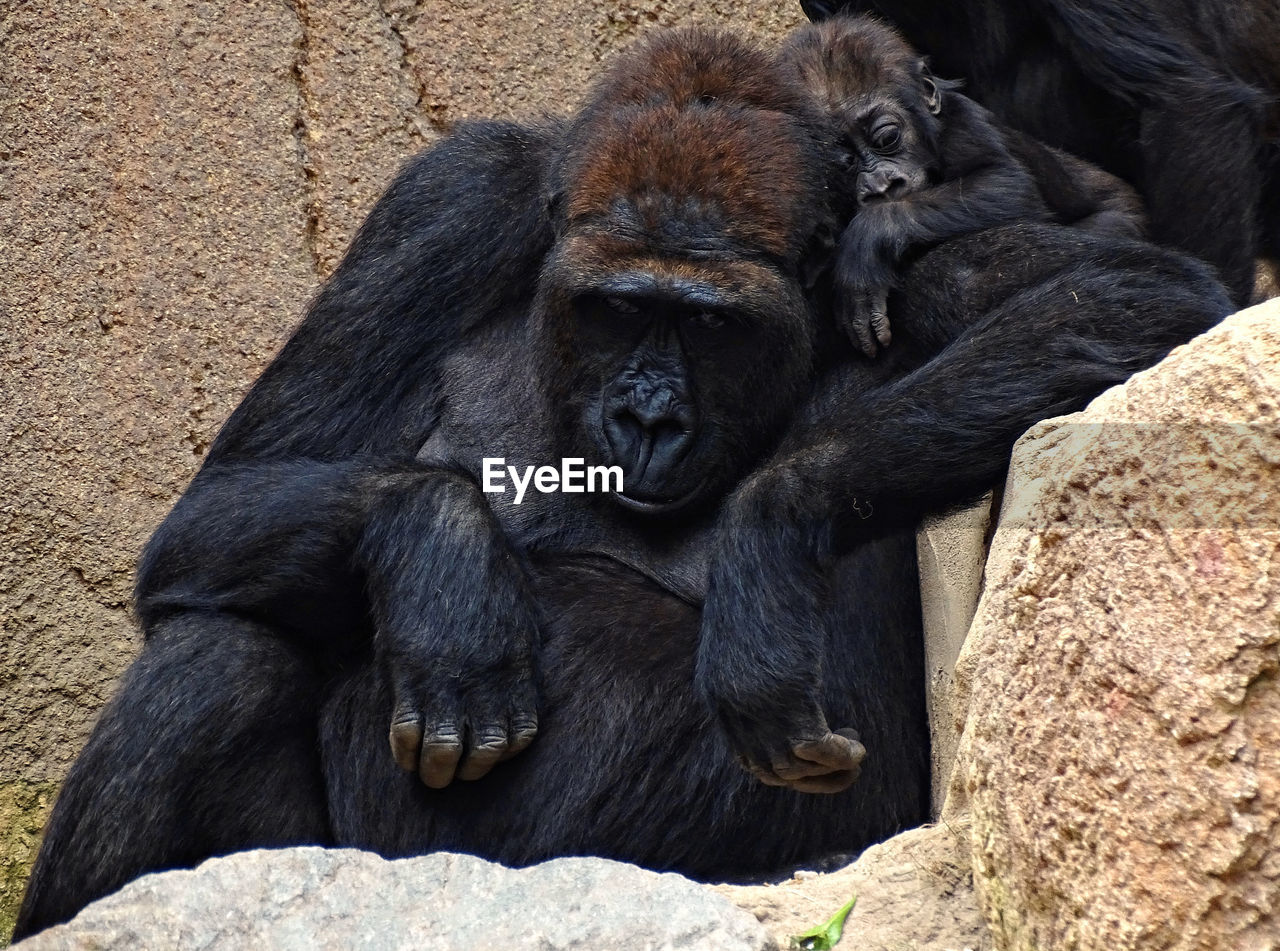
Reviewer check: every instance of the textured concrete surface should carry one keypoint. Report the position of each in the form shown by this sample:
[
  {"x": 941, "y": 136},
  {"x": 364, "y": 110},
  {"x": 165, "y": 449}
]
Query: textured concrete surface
[
  {"x": 304, "y": 899},
  {"x": 24, "y": 807},
  {"x": 175, "y": 178},
  {"x": 1122, "y": 752}
]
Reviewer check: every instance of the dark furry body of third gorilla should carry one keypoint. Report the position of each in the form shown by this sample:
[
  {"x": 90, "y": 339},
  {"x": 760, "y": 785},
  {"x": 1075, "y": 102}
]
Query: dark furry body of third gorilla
[{"x": 530, "y": 292}]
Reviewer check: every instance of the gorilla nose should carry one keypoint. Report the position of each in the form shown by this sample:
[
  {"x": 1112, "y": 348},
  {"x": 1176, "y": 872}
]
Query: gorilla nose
[
  {"x": 649, "y": 440},
  {"x": 880, "y": 188}
]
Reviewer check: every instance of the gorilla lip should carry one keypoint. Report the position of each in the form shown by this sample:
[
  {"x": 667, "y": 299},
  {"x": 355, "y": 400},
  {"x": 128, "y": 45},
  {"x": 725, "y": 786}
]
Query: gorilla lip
[{"x": 658, "y": 506}]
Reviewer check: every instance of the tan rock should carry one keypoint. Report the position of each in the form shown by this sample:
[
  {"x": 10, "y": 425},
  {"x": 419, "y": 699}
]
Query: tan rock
[
  {"x": 310, "y": 899},
  {"x": 1122, "y": 755},
  {"x": 951, "y": 550},
  {"x": 913, "y": 891}
]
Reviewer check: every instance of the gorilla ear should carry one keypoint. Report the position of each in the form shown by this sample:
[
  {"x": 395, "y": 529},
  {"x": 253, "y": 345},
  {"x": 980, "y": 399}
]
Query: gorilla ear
[
  {"x": 554, "y": 209},
  {"x": 932, "y": 91},
  {"x": 819, "y": 10},
  {"x": 818, "y": 258}
]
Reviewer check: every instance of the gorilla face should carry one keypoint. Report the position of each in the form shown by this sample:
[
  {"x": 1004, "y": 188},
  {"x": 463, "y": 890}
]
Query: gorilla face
[
  {"x": 674, "y": 335},
  {"x": 681, "y": 372}
]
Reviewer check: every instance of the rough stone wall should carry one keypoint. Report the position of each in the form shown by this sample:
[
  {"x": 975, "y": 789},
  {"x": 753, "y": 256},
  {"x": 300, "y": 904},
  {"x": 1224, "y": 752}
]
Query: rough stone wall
[
  {"x": 1121, "y": 755},
  {"x": 175, "y": 178}
]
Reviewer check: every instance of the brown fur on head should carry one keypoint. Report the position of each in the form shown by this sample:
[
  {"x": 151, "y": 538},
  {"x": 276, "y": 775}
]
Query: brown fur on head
[
  {"x": 694, "y": 141},
  {"x": 848, "y": 63},
  {"x": 683, "y": 66},
  {"x": 694, "y": 179}
]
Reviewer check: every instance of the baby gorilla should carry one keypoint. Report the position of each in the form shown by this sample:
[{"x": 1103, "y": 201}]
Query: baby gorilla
[{"x": 928, "y": 164}]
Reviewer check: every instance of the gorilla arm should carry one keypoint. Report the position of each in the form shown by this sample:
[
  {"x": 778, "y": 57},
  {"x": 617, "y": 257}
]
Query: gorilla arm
[
  {"x": 936, "y": 437},
  {"x": 309, "y": 512}
]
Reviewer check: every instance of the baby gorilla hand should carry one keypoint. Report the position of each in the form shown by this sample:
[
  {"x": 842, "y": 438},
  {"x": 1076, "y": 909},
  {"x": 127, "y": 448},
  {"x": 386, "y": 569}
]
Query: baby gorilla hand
[
  {"x": 862, "y": 313},
  {"x": 864, "y": 274}
]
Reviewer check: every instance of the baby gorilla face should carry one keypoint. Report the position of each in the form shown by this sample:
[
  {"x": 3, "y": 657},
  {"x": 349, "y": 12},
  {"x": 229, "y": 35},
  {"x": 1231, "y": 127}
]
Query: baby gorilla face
[{"x": 887, "y": 153}]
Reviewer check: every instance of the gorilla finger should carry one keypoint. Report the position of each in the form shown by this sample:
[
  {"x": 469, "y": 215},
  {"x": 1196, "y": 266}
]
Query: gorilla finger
[
  {"x": 791, "y": 770},
  {"x": 829, "y": 784},
  {"x": 849, "y": 733},
  {"x": 524, "y": 728},
  {"x": 880, "y": 324},
  {"x": 835, "y": 750},
  {"x": 851, "y": 315},
  {"x": 759, "y": 772},
  {"x": 766, "y": 776},
  {"x": 406, "y": 740},
  {"x": 862, "y": 330},
  {"x": 488, "y": 747},
  {"x": 441, "y": 751}
]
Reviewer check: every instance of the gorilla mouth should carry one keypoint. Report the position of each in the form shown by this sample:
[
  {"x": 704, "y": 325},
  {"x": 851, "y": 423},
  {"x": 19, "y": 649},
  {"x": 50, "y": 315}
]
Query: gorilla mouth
[{"x": 658, "y": 506}]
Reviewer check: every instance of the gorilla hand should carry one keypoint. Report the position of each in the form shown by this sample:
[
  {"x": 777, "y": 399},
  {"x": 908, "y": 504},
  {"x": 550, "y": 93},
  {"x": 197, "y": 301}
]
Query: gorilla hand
[
  {"x": 864, "y": 274},
  {"x": 863, "y": 314},
  {"x": 457, "y": 717},
  {"x": 456, "y": 631},
  {"x": 759, "y": 655}
]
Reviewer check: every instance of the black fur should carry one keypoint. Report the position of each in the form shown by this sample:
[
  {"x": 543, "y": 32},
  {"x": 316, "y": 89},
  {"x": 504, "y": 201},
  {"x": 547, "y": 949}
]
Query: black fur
[
  {"x": 333, "y": 574},
  {"x": 926, "y": 163},
  {"x": 1027, "y": 321},
  {"x": 1179, "y": 97}
]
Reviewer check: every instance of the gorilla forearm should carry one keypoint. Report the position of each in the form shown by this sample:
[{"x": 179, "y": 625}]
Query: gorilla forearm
[
  {"x": 456, "y": 627},
  {"x": 939, "y": 436},
  {"x": 880, "y": 236},
  {"x": 1030, "y": 343},
  {"x": 271, "y": 541},
  {"x": 317, "y": 551}
]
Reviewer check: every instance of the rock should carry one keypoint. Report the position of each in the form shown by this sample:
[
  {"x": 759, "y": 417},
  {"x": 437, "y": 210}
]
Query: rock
[
  {"x": 1122, "y": 753},
  {"x": 951, "y": 549},
  {"x": 914, "y": 891},
  {"x": 312, "y": 898}
]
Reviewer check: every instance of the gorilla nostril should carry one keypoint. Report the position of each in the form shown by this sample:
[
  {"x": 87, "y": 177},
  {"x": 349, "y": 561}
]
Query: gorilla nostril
[
  {"x": 873, "y": 189},
  {"x": 624, "y": 432},
  {"x": 642, "y": 439}
]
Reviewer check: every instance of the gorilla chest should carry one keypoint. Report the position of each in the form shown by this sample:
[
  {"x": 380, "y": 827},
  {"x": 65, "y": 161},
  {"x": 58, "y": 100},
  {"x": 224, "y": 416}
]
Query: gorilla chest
[{"x": 496, "y": 425}]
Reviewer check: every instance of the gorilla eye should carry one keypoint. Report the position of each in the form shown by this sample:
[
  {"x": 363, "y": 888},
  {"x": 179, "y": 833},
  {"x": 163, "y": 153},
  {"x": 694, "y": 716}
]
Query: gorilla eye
[
  {"x": 886, "y": 137},
  {"x": 620, "y": 305},
  {"x": 707, "y": 320}
]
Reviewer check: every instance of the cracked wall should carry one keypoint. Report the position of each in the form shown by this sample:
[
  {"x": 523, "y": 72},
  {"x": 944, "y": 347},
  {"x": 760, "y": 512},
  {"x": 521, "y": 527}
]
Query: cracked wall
[{"x": 175, "y": 177}]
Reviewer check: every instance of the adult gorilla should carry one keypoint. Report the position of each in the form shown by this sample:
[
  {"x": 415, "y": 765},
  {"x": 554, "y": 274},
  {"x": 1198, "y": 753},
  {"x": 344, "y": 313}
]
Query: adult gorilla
[
  {"x": 1179, "y": 97},
  {"x": 629, "y": 287}
]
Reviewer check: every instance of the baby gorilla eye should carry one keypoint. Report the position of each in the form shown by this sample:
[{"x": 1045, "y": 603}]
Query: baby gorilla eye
[
  {"x": 885, "y": 138},
  {"x": 620, "y": 305}
]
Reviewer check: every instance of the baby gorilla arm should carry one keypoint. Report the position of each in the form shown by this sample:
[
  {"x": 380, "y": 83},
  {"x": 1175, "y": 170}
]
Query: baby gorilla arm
[{"x": 982, "y": 185}]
